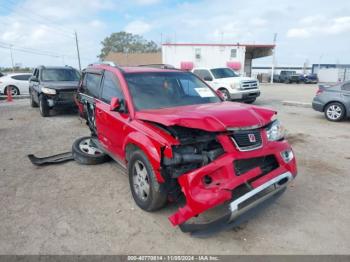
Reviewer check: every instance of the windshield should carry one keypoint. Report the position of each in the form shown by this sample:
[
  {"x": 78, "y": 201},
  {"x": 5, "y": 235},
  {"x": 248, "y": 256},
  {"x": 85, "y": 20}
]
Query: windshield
[
  {"x": 223, "y": 72},
  {"x": 168, "y": 89},
  {"x": 60, "y": 74}
]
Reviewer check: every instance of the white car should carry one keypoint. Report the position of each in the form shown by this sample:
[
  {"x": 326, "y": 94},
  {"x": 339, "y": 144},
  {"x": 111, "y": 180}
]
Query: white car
[
  {"x": 19, "y": 83},
  {"x": 231, "y": 85}
]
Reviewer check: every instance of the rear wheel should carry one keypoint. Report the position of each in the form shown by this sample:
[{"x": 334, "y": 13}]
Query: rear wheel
[
  {"x": 144, "y": 186},
  {"x": 335, "y": 112},
  {"x": 86, "y": 152},
  {"x": 14, "y": 90}
]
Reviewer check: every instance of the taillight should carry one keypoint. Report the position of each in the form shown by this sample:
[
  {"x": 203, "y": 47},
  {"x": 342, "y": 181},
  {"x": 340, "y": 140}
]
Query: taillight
[{"x": 319, "y": 91}]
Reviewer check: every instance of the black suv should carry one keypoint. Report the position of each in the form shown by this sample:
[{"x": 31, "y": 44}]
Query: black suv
[{"x": 53, "y": 86}]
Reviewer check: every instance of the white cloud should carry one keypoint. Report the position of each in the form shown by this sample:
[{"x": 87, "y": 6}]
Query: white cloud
[
  {"x": 137, "y": 27},
  {"x": 298, "y": 33},
  {"x": 258, "y": 22},
  {"x": 320, "y": 25}
]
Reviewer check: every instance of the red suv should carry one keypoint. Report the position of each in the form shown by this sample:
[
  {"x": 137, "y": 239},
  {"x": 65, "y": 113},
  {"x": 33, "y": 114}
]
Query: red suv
[{"x": 180, "y": 142}]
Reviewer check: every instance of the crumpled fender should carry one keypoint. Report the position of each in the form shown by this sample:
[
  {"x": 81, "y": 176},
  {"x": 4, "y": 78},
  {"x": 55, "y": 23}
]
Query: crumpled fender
[{"x": 151, "y": 149}]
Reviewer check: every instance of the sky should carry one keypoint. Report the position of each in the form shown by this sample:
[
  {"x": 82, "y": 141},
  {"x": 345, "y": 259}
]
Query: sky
[{"x": 41, "y": 32}]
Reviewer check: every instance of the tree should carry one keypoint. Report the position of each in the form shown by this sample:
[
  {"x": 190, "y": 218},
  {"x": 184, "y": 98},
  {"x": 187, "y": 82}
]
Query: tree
[{"x": 127, "y": 43}]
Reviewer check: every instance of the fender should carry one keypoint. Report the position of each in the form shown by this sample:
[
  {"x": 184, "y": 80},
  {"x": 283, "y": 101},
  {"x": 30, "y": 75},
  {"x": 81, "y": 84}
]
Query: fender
[{"x": 151, "y": 148}]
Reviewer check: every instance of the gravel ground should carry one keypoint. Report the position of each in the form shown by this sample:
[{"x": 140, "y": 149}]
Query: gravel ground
[{"x": 75, "y": 209}]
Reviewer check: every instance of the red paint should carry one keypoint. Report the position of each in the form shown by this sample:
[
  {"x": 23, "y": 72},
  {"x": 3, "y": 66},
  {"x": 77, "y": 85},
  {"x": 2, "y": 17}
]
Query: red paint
[
  {"x": 9, "y": 94},
  {"x": 234, "y": 65},
  {"x": 117, "y": 131},
  {"x": 186, "y": 66}
]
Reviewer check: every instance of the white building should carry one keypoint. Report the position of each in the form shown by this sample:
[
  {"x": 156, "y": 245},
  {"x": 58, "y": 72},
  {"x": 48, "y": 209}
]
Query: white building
[{"x": 236, "y": 56}]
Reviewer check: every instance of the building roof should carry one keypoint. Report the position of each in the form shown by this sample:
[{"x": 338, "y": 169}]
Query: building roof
[
  {"x": 252, "y": 50},
  {"x": 213, "y": 44}
]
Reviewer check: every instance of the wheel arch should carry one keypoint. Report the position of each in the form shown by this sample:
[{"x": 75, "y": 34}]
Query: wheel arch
[
  {"x": 5, "y": 89},
  {"x": 335, "y": 101},
  {"x": 150, "y": 148}
]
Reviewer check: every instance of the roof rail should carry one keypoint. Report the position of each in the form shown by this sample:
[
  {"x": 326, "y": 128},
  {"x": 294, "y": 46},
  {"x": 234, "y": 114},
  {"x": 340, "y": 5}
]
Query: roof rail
[{"x": 109, "y": 63}]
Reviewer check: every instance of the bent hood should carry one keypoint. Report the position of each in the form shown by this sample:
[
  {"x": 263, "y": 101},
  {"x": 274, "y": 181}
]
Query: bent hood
[
  {"x": 61, "y": 85},
  {"x": 210, "y": 117}
]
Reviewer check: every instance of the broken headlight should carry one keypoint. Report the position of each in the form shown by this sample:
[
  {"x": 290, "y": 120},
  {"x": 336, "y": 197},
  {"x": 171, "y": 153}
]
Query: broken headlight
[{"x": 275, "y": 131}]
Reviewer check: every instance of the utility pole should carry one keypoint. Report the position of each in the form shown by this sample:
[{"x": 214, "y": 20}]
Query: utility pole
[
  {"x": 13, "y": 64},
  {"x": 78, "y": 53},
  {"x": 273, "y": 57}
]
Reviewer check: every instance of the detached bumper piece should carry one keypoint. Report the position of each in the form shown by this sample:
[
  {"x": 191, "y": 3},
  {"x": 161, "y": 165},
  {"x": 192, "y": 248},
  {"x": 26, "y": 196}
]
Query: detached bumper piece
[
  {"x": 243, "y": 208},
  {"x": 54, "y": 159}
]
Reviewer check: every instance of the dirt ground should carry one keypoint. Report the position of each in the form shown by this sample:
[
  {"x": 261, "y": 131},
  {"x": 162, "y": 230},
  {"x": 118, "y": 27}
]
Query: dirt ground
[{"x": 75, "y": 209}]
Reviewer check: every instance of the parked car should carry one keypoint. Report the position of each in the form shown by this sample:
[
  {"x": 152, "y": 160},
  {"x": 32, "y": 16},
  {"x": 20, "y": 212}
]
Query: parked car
[
  {"x": 178, "y": 140},
  {"x": 287, "y": 76},
  {"x": 18, "y": 82},
  {"x": 309, "y": 79},
  {"x": 334, "y": 101},
  {"x": 230, "y": 84},
  {"x": 53, "y": 86}
]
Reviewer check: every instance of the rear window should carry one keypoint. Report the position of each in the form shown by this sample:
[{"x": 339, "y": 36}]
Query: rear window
[
  {"x": 21, "y": 77},
  {"x": 59, "y": 74}
]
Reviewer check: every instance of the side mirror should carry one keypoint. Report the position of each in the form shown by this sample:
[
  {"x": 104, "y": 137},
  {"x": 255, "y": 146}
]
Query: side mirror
[
  {"x": 115, "y": 104},
  {"x": 208, "y": 78},
  {"x": 34, "y": 79}
]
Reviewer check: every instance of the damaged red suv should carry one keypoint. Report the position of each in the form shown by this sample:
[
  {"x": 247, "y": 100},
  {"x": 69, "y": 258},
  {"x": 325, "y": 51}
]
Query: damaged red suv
[{"x": 180, "y": 142}]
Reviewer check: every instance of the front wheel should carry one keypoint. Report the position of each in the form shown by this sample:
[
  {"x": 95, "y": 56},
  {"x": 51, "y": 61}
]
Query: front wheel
[
  {"x": 225, "y": 94},
  {"x": 31, "y": 100},
  {"x": 144, "y": 186},
  {"x": 335, "y": 112},
  {"x": 85, "y": 152},
  {"x": 43, "y": 107}
]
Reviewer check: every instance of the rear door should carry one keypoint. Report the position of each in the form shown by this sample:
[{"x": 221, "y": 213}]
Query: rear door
[
  {"x": 89, "y": 93},
  {"x": 346, "y": 96},
  {"x": 111, "y": 125}
]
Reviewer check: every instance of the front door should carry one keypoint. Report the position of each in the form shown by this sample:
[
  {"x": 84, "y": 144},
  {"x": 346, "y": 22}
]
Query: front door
[{"x": 111, "y": 125}]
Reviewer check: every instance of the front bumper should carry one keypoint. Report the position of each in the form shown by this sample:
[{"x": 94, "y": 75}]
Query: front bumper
[
  {"x": 226, "y": 181},
  {"x": 245, "y": 94},
  {"x": 62, "y": 99},
  {"x": 238, "y": 212},
  {"x": 317, "y": 105}
]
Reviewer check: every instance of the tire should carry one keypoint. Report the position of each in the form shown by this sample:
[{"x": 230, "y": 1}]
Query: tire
[
  {"x": 86, "y": 153},
  {"x": 31, "y": 100},
  {"x": 43, "y": 107},
  {"x": 14, "y": 89},
  {"x": 144, "y": 186},
  {"x": 334, "y": 112},
  {"x": 225, "y": 94},
  {"x": 250, "y": 101}
]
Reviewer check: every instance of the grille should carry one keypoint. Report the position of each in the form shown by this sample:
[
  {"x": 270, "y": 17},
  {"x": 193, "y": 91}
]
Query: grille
[
  {"x": 67, "y": 96},
  {"x": 249, "y": 85},
  {"x": 247, "y": 139},
  {"x": 266, "y": 163}
]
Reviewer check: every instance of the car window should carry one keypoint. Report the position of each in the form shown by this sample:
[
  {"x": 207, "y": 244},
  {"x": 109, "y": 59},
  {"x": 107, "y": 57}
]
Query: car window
[
  {"x": 202, "y": 73},
  {"x": 223, "y": 73},
  {"x": 346, "y": 86},
  {"x": 110, "y": 87},
  {"x": 21, "y": 77},
  {"x": 91, "y": 84},
  {"x": 168, "y": 89},
  {"x": 59, "y": 74}
]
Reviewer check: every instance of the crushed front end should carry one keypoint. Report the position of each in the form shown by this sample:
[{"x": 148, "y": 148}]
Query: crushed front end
[{"x": 240, "y": 169}]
